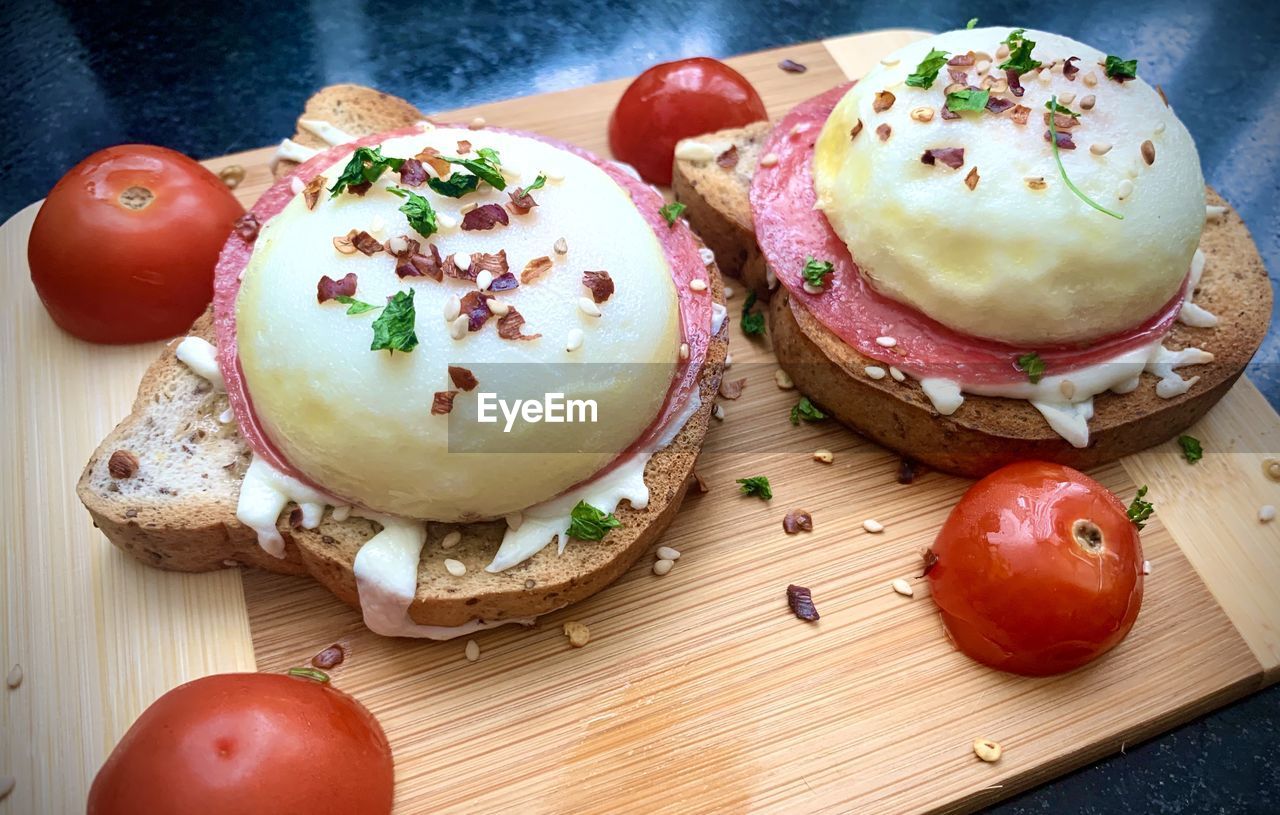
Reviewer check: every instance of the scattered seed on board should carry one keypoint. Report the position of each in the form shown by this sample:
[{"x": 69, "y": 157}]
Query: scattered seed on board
[
  {"x": 561, "y": 246},
  {"x": 728, "y": 292},
  {"x": 901, "y": 586},
  {"x": 455, "y": 567},
  {"x": 577, "y": 632},
  {"x": 1267, "y": 513},
  {"x": 15, "y": 677},
  {"x": 1271, "y": 468},
  {"x": 783, "y": 380},
  {"x": 873, "y": 526},
  {"x": 718, "y": 412},
  {"x": 1215, "y": 213},
  {"x": 987, "y": 750},
  {"x": 824, "y": 455},
  {"x": 473, "y": 651},
  {"x": 662, "y": 567},
  {"x": 667, "y": 553},
  {"x": 232, "y": 175},
  {"x": 451, "y": 540},
  {"x": 1146, "y": 567}
]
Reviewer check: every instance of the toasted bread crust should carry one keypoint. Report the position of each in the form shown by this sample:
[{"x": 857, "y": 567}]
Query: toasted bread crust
[{"x": 986, "y": 433}]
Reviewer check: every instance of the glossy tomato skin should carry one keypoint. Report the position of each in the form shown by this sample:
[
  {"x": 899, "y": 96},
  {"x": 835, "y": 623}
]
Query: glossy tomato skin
[
  {"x": 123, "y": 248},
  {"x": 1016, "y": 588},
  {"x": 250, "y": 744},
  {"x": 675, "y": 100}
]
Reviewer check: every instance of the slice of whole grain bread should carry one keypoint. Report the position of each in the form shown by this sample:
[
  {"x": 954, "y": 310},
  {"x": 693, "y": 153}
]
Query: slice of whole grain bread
[{"x": 175, "y": 506}]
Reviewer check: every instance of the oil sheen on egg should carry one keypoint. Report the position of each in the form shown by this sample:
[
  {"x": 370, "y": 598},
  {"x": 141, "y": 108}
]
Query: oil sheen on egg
[
  {"x": 357, "y": 422},
  {"x": 1019, "y": 257}
]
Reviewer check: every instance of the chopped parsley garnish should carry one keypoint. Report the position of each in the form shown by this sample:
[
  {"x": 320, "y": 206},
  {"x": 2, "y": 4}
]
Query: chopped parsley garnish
[
  {"x": 927, "y": 70},
  {"x": 1057, "y": 156},
  {"x": 1140, "y": 511},
  {"x": 393, "y": 330},
  {"x": 455, "y": 186},
  {"x": 1032, "y": 365},
  {"x": 973, "y": 23},
  {"x": 804, "y": 409},
  {"x": 757, "y": 485},
  {"x": 967, "y": 99},
  {"x": 1191, "y": 448},
  {"x": 671, "y": 212},
  {"x": 1120, "y": 69},
  {"x": 355, "y": 306},
  {"x": 587, "y": 523},
  {"x": 752, "y": 321},
  {"x": 538, "y": 183},
  {"x": 485, "y": 165},
  {"x": 1019, "y": 60},
  {"x": 1052, "y": 105},
  {"x": 815, "y": 271},
  {"x": 418, "y": 210},
  {"x": 366, "y": 166}
]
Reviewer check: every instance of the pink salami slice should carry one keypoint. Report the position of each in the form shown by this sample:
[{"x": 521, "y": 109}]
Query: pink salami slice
[
  {"x": 789, "y": 229},
  {"x": 677, "y": 242}
]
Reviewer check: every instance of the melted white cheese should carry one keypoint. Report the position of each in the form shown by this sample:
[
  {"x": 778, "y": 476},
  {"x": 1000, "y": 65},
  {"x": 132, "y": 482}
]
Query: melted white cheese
[
  {"x": 202, "y": 358},
  {"x": 1191, "y": 314},
  {"x": 290, "y": 150},
  {"x": 264, "y": 493}
]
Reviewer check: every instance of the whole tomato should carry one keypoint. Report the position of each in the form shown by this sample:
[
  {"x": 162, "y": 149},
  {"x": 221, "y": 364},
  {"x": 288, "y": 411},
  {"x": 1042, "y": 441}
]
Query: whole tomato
[
  {"x": 1038, "y": 570},
  {"x": 249, "y": 744},
  {"x": 675, "y": 100},
  {"x": 123, "y": 248}
]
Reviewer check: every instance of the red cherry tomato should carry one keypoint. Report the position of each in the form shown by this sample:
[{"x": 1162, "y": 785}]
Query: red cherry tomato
[
  {"x": 673, "y": 101},
  {"x": 123, "y": 249},
  {"x": 1038, "y": 571},
  {"x": 250, "y": 744}
]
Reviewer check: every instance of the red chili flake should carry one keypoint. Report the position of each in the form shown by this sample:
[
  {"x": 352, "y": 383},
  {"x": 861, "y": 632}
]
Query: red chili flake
[
  {"x": 420, "y": 265},
  {"x": 311, "y": 192},
  {"x": 476, "y": 306},
  {"x": 998, "y": 104},
  {"x": 366, "y": 243},
  {"x": 958, "y": 76},
  {"x": 600, "y": 284},
  {"x": 729, "y": 158},
  {"x": 930, "y": 560},
  {"x": 1020, "y": 114},
  {"x": 504, "y": 282},
  {"x": 495, "y": 263},
  {"x": 907, "y": 470},
  {"x": 359, "y": 189},
  {"x": 295, "y": 518},
  {"x": 521, "y": 201},
  {"x": 732, "y": 388},
  {"x": 801, "y": 601},
  {"x": 328, "y": 288},
  {"x": 1064, "y": 140},
  {"x": 797, "y": 520},
  {"x": 1061, "y": 121},
  {"x": 948, "y": 113},
  {"x": 485, "y": 217},
  {"x": 431, "y": 157},
  {"x": 971, "y": 180},
  {"x": 855, "y": 130},
  {"x": 329, "y": 658},
  {"x": 1015, "y": 82},
  {"x": 883, "y": 131},
  {"x": 535, "y": 270},
  {"x": 953, "y": 157},
  {"x": 963, "y": 59},
  {"x": 442, "y": 402},
  {"x": 412, "y": 173},
  {"x": 509, "y": 326},
  {"x": 464, "y": 147},
  {"x": 1069, "y": 70},
  {"x": 462, "y": 378},
  {"x": 883, "y": 101},
  {"x": 247, "y": 226},
  {"x": 793, "y": 67}
]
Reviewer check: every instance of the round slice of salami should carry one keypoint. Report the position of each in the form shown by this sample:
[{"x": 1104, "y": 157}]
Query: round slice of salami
[
  {"x": 677, "y": 241},
  {"x": 789, "y": 230}
]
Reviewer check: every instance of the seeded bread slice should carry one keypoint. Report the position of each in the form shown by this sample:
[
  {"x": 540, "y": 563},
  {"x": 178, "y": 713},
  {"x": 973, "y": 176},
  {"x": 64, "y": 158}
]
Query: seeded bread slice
[
  {"x": 172, "y": 497},
  {"x": 717, "y": 205},
  {"x": 986, "y": 433}
]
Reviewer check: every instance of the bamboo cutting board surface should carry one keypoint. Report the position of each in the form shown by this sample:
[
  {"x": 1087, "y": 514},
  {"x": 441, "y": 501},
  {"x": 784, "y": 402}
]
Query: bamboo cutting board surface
[{"x": 698, "y": 691}]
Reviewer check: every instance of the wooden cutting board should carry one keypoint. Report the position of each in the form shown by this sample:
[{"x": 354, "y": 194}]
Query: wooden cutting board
[{"x": 698, "y": 691}]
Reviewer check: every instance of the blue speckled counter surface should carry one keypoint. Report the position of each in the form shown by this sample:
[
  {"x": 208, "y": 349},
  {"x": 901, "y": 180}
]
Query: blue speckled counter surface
[{"x": 232, "y": 76}]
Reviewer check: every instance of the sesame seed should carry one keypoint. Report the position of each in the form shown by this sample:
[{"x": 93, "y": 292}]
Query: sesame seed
[
  {"x": 451, "y": 540},
  {"x": 667, "y": 553},
  {"x": 1146, "y": 567},
  {"x": 397, "y": 245},
  {"x": 693, "y": 150},
  {"x": 783, "y": 380},
  {"x": 1036, "y": 182},
  {"x": 889, "y": 62},
  {"x": 296, "y": 186},
  {"x": 1067, "y": 388},
  {"x": 982, "y": 66},
  {"x": 561, "y": 246},
  {"x": 574, "y": 341},
  {"x": 467, "y": 207},
  {"x": 663, "y": 566},
  {"x": 684, "y": 350},
  {"x": 1002, "y": 51},
  {"x": 463, "y": 262},
  {"x": 924, "y": 113},
  {"x": 769, "y": 160},
  {"x": 1044, "y": 76},
  {"x": 987, "y": 750},
  {"x": 227, "y": 416},
  {"x": 1267, "y": 513},
  {"x": 886, "y": 342},
  {"x": 874, "y": 371},
  {"x": 812, "y": 289},
  {"x": 588, "y": 307},
  {"x": 718, "y": 412},
  {"x": 445, "y": 221},
  {"x": 708, "y": 257},
  {"x": 901, "y": 586},
  {"x": 484, "y": 280},
  {"x": 728, "y": 292},
  {"x": 1090, "y": 79},
  {"x": 873, "y": 526},
  {"x": 1100, "y": 148},
  {"x": 1088, "y": 102},
  {"x": 377, "y": 225},
  {"x": 1125, "y": 189},
  {"x": 477, "y": 123},
  {"x": 472, "y": 651},
  {"x": 458, "y": 328},
  {"x": 1067, "y": 98},
  {"x": 824, "y": 455},
  {"x": 728, "y": 360},
  {"x": 698, "y": 284},
  {"x": 1159, "y": 127},
  {"x": 1148, "y": 151},
  {"x": 898, "y": 376},
  {"x": 554, "y": 174},
  {"x": 1212, "y": 213},
  {"x": 455, "y": 567},
  {"x": 14, "y": 679},
  {"x": 514, "y": 520},
  {"x": 500, "y": 308}
]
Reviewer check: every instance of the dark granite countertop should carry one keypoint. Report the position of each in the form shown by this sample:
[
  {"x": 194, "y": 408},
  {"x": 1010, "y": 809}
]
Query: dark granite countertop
[{"x": 208, "y": 79}]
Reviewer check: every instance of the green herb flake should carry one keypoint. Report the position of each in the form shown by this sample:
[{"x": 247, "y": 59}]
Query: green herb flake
[
  {"x": 967, "y": 99},
  {"x": 455, "y": 186},
  {"x": 973, "y": 23},
  {"x": 752, "y": 321},
  {"x": 393, "y": 330},
  {"x": 418, "y": 210},
  {"x": 1120, "y": 70},
  {"x": 670, "y": 212},
  {"x": 1057, "y": 157},
  {"x": 486, "y": 165},
  {"x": 757, "y": 485},
  {"x": 538, "y": 183},
  {"x": 804, "y": 409},
  {"x": 366, "y": 166},
  {"x": 927, "y": 71},
  {"x": 355, "y": 306},
  {"x": 815, "y": 271},
  {"x": 1140, "y": 511},
  {"x": 1032, "y": 365},
  {"x": 1020, "y": 60},
  {"x": 314, "y": 674},
  {"x": 587, "y": 523},
  {"x": 1191, "y": 448},
  {"x": 1052, "y": 105}
]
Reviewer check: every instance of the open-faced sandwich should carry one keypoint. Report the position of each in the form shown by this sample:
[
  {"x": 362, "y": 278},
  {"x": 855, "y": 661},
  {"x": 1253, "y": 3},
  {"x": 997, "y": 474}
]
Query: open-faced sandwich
[
  {"x": 346, "y": 408},
  {"x": 992, "y": 247}
]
